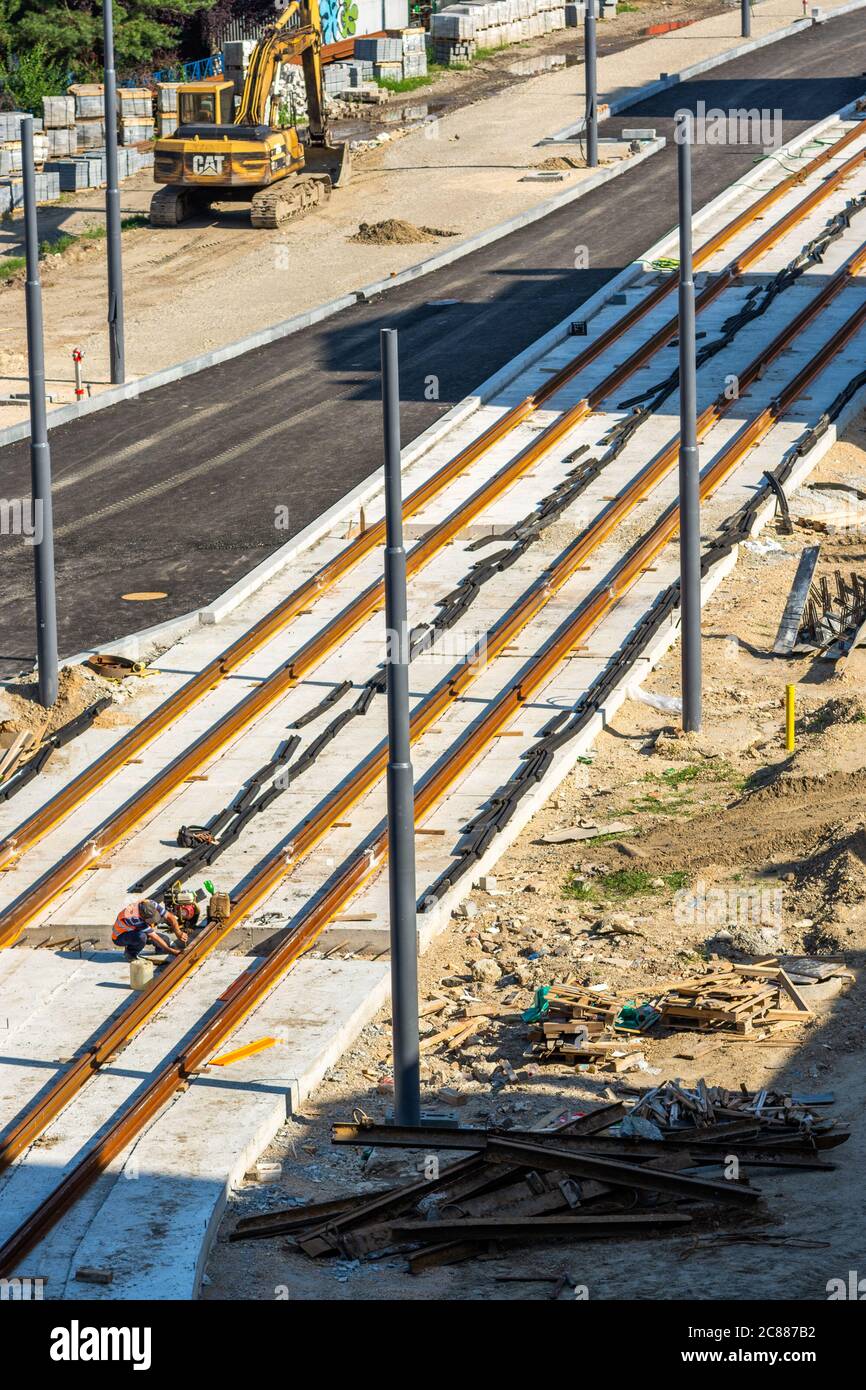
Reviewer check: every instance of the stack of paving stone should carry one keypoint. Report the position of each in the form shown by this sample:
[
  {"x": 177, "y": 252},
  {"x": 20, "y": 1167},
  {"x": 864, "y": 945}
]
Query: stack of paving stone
[
  {"x": 335, "y": 78},
  {"x": 414, "y": 52},
  {"x": 89, "y": 115},
  {"x": 134, "y": 115},
  {"x": 11, "y": 161},
  {"x": 459, "y": 30},
  {"x": 386, "y": 55},
  {"x": 166, "y": 108},
  {"x": 59, "y": 121},
  {"x": 87, "y": 170},
  {"x": 236, "y": 55}
]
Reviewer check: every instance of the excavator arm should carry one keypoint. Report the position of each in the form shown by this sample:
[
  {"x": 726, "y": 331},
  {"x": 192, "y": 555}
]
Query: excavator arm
[{"x": 280, "y": 43}]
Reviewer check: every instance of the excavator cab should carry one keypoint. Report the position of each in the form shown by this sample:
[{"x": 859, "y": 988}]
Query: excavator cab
[{"x": 206, "y": 103}]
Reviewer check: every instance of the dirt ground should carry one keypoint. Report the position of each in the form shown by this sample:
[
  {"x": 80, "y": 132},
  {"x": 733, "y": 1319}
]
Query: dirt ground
[
  {"x": 726, "y": 817},
  {"x": 215, "y": 279},
  {"x": 78, "y": 689}
]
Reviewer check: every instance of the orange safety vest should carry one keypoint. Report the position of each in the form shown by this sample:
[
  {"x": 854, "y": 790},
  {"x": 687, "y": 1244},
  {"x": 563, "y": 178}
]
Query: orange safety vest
[{"x": 129, "y": 919}]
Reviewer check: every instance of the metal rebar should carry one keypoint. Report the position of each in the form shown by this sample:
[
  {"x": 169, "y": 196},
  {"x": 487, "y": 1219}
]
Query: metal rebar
[
  {"x": 591, "y": 85},
  {"x": 746, "y": 14},
  {"x": 689, "y": 464},
  {"x": 400, "y": 782},
  {"x": 40, "y": 452},
  {"x": 112, "y": 204}
]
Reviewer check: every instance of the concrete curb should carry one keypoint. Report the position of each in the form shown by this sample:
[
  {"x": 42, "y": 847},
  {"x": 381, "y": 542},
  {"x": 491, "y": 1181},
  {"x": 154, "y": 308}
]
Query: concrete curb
[
  {"x": 672, "y": 79},
  {"x": 131, "y": 390},
  {"x": 148, "y": 642},
  {"x": 513, "y": 224}
]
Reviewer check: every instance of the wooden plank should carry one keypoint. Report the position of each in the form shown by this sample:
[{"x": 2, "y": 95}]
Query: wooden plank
[
  {"x": 453, "y": 1034},
  {"x": 15, "y": 751}
]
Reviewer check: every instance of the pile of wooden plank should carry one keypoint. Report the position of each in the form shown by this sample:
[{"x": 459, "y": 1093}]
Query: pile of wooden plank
[
  {"x": 572, "y": 1177},
  {"x": 735, "y": 998},
  {"x": 581, "y": 1027},
  {"x": 587, "y": 1028}
]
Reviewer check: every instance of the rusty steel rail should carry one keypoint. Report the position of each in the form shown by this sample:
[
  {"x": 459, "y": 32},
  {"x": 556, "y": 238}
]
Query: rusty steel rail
[
  {"x": 245, "y": 993},
  {"x": 16, "y": 1139},
  {"x": 80, "y": 859},
  {"x": 61, "y": 805}
]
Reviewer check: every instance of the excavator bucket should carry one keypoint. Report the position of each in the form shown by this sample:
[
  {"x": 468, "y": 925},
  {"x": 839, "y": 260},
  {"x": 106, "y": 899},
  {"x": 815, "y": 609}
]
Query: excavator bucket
[{"x": 333, "y": 160}]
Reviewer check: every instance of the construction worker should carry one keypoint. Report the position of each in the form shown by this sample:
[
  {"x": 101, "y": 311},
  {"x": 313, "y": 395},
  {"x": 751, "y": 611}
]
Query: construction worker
[{"x": 136, "y": 927}]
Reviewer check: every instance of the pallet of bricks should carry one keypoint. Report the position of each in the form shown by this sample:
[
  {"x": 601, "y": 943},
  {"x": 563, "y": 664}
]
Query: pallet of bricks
[
  {"x": 11, "y": 162},
  {"x": 458, "y": 31}
]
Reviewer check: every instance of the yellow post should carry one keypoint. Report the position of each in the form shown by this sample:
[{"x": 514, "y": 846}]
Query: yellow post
[{"x": 789, "y": 718}]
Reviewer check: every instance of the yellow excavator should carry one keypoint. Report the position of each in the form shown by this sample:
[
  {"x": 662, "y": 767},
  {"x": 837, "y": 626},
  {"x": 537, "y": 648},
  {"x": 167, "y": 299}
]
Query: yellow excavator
[{"x": 219, "y": 155}]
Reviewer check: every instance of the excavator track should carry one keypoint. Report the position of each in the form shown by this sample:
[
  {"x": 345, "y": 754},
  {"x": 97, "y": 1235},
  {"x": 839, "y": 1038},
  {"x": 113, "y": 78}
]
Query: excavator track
[
  {"x": 285, "y": 201},
  {"x": 170, "y": 206}
]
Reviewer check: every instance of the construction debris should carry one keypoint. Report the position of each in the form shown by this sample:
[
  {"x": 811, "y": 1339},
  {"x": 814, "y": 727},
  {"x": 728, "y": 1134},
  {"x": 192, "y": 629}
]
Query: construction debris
[
  {"x": 833, "y": 613},
  {"x": 573, "y": 1024},
  {"x": 586, "y": 1026},
  {"x": 675, "y": 1106},
  {"x": 606, "y": 1173},
  {"x": 735, "y": 998},
  {"x": 792, "y": 617}
]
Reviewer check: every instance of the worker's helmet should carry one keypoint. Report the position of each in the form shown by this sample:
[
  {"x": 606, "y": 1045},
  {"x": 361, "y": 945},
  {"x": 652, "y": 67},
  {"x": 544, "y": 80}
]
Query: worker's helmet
[{"x": 148, "y": 911}]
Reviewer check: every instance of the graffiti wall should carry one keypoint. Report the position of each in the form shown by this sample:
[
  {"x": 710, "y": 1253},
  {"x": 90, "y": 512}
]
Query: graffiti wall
[{"x": 344, "y": 19}]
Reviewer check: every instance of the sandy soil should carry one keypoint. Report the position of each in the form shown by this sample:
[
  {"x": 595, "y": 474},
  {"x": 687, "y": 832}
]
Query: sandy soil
[
  {"x": 78, "y": 689},
  {"x": 214, "y": 280},
  {"x": 725, "y": 816}
]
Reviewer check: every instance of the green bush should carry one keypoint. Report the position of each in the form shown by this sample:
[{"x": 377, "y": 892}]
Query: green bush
[{"x": 25, "y": 80}]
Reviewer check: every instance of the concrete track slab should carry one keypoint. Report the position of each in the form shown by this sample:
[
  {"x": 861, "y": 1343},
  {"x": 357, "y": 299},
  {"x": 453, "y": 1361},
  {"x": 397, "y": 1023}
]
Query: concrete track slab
[{"x": 148, "y": 1221}]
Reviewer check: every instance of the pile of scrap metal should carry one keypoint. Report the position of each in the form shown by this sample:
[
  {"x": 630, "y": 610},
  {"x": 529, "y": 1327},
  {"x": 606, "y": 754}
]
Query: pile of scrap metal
[
  {"x": 779, "y": 1118},
  {"x": 821, "y": 616},
  {"x": 590, "y": 1029},
  {"x": 581, "y": 1177},
  {"x": 834, "y": 616}
]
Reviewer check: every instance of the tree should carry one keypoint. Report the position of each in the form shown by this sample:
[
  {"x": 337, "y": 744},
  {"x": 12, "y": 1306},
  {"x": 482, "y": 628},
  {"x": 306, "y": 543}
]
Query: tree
[{"x": 69, "y": 32}]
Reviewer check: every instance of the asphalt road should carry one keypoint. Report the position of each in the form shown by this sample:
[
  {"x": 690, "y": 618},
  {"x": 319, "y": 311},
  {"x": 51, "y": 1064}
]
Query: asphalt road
[{"x": 178, "y": 490}]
